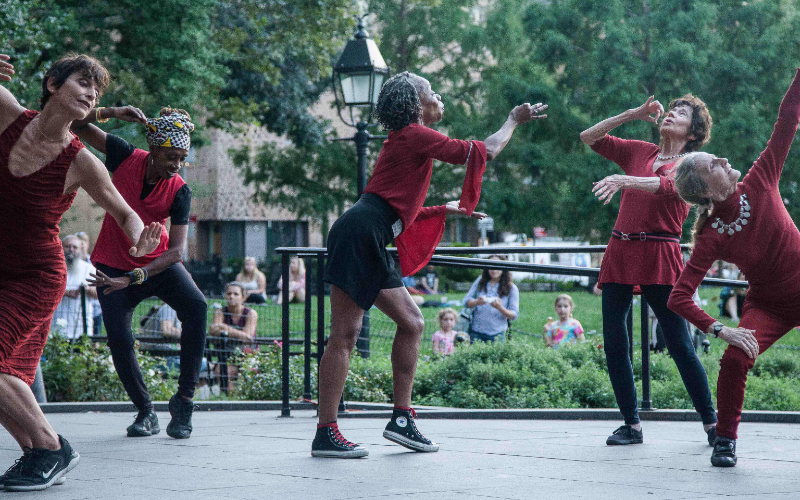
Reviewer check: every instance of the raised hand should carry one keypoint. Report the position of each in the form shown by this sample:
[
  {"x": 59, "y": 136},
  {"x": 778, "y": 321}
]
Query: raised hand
[
  {"x": 646, "y": 111},
  {"x": 148, "y": 240},
  {"x": 129, "y": 114},
  {"x": 742, "y": 338},
  {"x": 6, "y": 68},
  {"x": 525, "y": 112},
  {"x": 454, "y": 209},
  {"x": 605, "y": 188}
]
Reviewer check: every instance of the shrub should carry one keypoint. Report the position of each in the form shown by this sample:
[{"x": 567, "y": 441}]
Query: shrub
[{"x": 84, "y": 371}]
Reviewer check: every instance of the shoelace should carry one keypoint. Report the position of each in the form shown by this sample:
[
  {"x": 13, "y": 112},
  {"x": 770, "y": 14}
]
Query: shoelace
[
  {"x": 337, "y": 436},
  {"x": 33, "y": 461},
  {"x": 20, "y": 462},
  {"x": 413, "y": 415}
]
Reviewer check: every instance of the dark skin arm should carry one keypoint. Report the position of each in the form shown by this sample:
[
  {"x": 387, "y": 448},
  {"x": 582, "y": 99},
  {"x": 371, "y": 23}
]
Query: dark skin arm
[
  {"x": 177, "y": 245},
  {"x": 94, "y": 135}
]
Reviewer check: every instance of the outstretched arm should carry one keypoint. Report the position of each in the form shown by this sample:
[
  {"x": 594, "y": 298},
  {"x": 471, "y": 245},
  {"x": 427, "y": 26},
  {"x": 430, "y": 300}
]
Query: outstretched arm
[
  {"x": 605, "y": 188},
  {"x": 10, "y": 108},
  {"x": 94, "y": 135},
  {"x": 519, "y": 115},
  {"x": 644, "y": 112}
]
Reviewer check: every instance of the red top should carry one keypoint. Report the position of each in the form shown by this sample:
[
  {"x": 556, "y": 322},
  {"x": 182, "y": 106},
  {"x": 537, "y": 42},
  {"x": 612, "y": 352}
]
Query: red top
[
  {"x": 767, "y": 250},
  {"x": 402, "y": 176},
  {"x": 112, "y": 244},
  {"x": 638, "y": 262}
]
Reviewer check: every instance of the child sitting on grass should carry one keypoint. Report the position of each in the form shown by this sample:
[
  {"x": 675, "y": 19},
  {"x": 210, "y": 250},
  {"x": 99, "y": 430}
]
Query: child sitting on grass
[
  {"x": 443, "y": 339},
  {"x": 567, "y": 328}
]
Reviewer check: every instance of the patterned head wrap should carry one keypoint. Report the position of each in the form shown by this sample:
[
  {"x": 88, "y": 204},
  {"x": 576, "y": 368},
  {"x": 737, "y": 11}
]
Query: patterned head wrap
[{"x": 170, "y": 131}]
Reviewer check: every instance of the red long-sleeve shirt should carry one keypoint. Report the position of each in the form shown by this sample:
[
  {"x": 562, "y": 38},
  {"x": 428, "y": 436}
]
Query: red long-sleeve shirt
[
  {"x": 402, "y": 176},
  {"x": 767, "y": 250},
  {"x": 638, "y": 262}
]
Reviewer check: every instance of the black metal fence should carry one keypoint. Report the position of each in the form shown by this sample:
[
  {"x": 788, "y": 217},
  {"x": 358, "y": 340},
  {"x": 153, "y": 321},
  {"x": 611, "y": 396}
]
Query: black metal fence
[{"x": 443, "y": 256}]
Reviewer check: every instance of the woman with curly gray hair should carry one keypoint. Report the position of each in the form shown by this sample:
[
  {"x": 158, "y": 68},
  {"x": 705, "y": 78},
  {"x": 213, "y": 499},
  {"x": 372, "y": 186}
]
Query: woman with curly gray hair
[{"x": 361, "y": 271}]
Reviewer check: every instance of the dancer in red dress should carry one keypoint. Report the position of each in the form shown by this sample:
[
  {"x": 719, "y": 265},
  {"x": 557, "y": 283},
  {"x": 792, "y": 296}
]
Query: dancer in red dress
[
  {"x": 361, "y": 271},
  {"x": 41, "y": 167},
  {"x": 645, "y": 249},
  {"x": 744, "y": 223}
]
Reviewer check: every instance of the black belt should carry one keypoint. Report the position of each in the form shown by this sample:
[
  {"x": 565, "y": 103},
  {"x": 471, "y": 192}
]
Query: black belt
[{"x": 642, "y": 236}]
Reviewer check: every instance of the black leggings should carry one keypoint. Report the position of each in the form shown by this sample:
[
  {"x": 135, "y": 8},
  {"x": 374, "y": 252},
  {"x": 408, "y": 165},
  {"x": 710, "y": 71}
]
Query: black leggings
[
  {"x": 176, "y": 288},
  {"x": 616, "y": 303}
]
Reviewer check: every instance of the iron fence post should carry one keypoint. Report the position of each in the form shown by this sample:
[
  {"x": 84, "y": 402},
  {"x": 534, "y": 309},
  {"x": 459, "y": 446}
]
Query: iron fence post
[
  {"x": 307, "y": 340},
  {"x": 285, "y": 411},
  {"x": 647, "y": 403}
]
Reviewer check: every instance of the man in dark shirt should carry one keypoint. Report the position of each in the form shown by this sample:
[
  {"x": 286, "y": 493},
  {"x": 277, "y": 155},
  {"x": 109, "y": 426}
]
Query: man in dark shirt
[{"x": 150, "y": 183}]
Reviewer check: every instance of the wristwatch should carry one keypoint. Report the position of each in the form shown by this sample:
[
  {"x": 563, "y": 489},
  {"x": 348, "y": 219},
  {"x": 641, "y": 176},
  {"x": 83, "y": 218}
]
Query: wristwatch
[{"x": 717, "y": 329}]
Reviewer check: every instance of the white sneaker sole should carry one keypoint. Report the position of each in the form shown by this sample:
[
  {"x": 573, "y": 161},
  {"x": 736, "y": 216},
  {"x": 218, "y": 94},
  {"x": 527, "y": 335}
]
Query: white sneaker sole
[
  {"x": 357, "y": 453},
  {"x": 56, "y": 479},
  {"x": 410, "y": 444}
]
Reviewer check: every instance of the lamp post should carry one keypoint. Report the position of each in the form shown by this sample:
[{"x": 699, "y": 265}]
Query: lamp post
[{"x": 358, "y": 75}]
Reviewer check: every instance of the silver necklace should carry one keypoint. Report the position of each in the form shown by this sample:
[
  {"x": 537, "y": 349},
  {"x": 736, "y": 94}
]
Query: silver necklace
[
  {"x": 744, "y": 214},
  {"x": 662, "y": 158}
]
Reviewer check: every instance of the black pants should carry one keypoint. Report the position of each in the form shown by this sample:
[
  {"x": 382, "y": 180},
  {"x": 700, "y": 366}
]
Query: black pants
[
  {"x": 616, "y": 303},
  {"x": 176, "y": 288}
]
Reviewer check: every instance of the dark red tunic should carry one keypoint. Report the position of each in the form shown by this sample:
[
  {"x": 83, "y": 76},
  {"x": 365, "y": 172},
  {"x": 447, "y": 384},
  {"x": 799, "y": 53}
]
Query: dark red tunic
[
  {"x": 767, "y": 250},
  {"x": 33, "y": 273},
  {"x": 112, "y": 244},
  {"x": 647, "y": 262},
  {"x": 402, "y": 176}
]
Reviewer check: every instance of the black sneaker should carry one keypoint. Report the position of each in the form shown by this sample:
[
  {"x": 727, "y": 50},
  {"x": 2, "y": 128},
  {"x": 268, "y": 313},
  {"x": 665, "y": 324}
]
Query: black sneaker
[
  {"x": 402, "y": 430},
  {"x": 329, "y": 443},
  {"x": 625, "y": 435},
  {"x": 42, "y": 468},
  {"x": 724, "y": 454},
  {"x": 180, "y": 427},
  {"x": 146, "y": 424},
  {"x": 712, "y": 435}
]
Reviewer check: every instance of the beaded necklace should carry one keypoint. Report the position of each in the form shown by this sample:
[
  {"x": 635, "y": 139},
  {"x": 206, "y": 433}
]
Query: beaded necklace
[{"x": 735, "y": 226}]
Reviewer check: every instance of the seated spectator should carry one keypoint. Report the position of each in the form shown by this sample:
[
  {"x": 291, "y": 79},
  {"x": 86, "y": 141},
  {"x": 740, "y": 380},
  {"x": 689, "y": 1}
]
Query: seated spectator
[
  {"x": 68, "y": 318},
  {"x": 235, "y": 322},
  {"x": 162, "y": 321},
  {"x": 297, "y": 281},
  {"x": 430, "y": 281},
  {"x": 253, "y": 282},
  {"x": 567, "y": 328},
  {"x": 731, "y": 300},
  {"x": 495, "y": 301},
  {"x": 444, "y": 338}
]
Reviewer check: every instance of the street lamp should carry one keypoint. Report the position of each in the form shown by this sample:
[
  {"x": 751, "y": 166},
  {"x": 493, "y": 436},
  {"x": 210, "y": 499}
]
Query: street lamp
[{"x": 357, "y": 79}]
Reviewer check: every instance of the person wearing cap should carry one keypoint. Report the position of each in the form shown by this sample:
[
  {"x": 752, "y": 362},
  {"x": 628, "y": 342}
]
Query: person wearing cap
[{"x": 150, "y": 183}]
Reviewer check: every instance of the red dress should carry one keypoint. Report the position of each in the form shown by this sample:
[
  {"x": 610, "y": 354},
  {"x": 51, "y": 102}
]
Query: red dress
[
  {"x": 649, "y": 262},
  {"x": 33, "y": 273}
]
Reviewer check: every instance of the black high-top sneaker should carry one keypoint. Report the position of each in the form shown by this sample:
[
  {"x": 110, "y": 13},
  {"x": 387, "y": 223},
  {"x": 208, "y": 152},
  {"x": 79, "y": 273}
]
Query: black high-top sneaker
[
  {"x": 329, "y": 443},
  {"x": 43, "y": 468},
  {"x": 724, "y": 454},
  {"x": 146, "y": 424},
  {"x": 180, "y": 427},
  {"x": 403, "y": 431}
]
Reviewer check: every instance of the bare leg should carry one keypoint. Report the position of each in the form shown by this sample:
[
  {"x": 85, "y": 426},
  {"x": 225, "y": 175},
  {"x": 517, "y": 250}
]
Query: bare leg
[
  {"x": 346, "y": 317},
  {"x": 399, "y": 306},
  {"x": 21, "y": 416},
  {"x": 300, "y": 295}
]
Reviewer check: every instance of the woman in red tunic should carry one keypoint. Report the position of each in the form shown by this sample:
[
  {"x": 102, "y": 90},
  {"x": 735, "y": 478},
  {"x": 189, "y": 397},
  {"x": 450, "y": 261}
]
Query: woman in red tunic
[
  {"x": 645, "y": 249},
  {"x": 744, "y": 223},
  {"x": 361, "y": 271},
  {"x": 41, "y": 167}
]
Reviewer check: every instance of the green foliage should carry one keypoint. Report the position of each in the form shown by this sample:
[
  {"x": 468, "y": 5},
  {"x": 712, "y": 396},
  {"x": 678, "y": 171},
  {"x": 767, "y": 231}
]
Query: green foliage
[{"x": 84, "y": 371}]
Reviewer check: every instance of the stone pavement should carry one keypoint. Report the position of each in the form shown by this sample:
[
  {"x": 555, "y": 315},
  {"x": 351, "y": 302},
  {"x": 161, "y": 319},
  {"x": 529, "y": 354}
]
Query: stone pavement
[{"x": 257, "y": 455}]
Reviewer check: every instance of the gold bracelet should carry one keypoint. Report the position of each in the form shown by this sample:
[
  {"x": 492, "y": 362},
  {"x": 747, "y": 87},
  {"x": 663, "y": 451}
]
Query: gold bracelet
[{"x": 98, "y": 118}]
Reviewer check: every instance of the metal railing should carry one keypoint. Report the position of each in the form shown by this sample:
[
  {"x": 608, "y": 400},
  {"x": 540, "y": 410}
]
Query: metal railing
[{"x": 444, "y": 256}]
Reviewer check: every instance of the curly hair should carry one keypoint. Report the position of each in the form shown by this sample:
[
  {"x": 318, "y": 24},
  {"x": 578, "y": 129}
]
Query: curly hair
[
  {"x": 398, "y": 102},
  {"x": 71, "y": 63},
  {"x": 691, "y": 187},
  {"x": 701, "y": 124},
  {"x": 504, "y": 287}
]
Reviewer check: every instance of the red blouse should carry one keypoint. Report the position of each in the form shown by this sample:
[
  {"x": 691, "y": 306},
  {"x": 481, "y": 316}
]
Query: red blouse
[
  {"x": 647, "y": 262},
  {"x": 402, "y": 176},
  {"x": 767, "y": 250}
]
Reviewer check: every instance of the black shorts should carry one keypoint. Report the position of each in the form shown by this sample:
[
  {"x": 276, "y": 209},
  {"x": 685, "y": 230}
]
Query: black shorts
[{"x": 358, "y": 261}]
